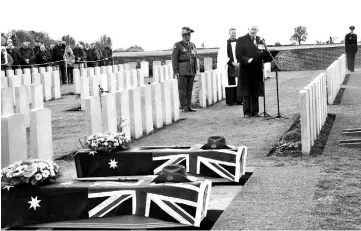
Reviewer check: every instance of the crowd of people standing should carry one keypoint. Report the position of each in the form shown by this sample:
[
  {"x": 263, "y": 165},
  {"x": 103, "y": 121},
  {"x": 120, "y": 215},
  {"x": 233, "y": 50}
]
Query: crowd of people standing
[{"x": 60, "y": 54}]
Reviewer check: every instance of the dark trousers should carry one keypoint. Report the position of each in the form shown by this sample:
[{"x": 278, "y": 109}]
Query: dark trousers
[
  {"x": 250, "y": 105},
  {"x": 351, "y": 61},
  {"x": 231, "y": 80},
  {"x": 70, "y": 74},
  {"x": 185, "y": 88},
  {"x": 91, "y": 64}
]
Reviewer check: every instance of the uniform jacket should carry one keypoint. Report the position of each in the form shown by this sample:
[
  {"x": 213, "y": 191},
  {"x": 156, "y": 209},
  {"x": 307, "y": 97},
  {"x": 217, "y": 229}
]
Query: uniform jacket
[
  {"x": 250, "y": 76},
  {"x": 43, "y": 57},
  {"x": 184, "y": 59},
  {"x": 15, "y": 54},
  {"x": 351, "y": 43},
  {"x": 27, "y": 53}
]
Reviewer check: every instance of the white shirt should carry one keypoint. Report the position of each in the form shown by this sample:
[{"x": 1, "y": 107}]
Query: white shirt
[{"x": 233, "y": 44}]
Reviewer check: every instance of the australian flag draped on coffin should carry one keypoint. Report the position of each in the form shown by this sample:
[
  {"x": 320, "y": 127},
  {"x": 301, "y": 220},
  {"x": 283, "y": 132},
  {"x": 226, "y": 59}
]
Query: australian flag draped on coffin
[
  {"x": 223, "y": 163},
  {"x": 186, "y": 203}
]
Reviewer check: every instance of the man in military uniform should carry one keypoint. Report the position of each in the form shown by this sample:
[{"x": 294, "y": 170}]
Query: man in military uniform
[
  {"x": 185, "y": 68},
  {"x": 351, "y": 48}
]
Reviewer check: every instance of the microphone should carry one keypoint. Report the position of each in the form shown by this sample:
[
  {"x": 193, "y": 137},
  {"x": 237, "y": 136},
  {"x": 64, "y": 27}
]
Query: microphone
[{"x": 262, "y": 40}]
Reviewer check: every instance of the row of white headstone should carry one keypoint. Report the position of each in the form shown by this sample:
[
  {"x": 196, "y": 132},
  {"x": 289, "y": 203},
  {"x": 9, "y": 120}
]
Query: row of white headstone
[
  {"x": 14, "y": 138},
  {"x": 48, "y": 78},
  {"x": 135, "y": 111},
  {"x": 313, "y": 108},
  {"x": 211, "y": 88},
  {"x": 336, "y": 73}
]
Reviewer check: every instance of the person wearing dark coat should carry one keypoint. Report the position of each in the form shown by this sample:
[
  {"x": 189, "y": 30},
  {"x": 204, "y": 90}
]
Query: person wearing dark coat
[
  {"x": 351, "y": 48},
  {"x": 80, "y": 55},
  {"x": 58, "y": 55},
  {"x": 37, "y": 47},
  {"x": 6, "y": 60},
  {"x": 43, "y": 56},
  {"x": 107, "y": 55},
  {"x": 250, "y": 77},
  {"x": 27, "y": 56},
  {"x": 15, "y": 54}
]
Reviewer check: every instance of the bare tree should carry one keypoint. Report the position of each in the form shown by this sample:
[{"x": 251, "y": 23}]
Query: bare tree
[
  {"x": 103, "y": 41},
  {"x": 300, "y": 34},
  {"x": 70, "y": 41}
]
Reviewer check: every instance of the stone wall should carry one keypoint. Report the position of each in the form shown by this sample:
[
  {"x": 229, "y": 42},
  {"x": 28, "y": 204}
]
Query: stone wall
[{"x": 289, "y": 58}]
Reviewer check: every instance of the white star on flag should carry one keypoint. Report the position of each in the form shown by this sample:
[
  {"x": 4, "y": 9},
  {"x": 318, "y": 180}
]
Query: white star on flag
[
  {"x": 92, "y": 153},
  {"x": 34, "y": 203},
  {"x": 8, "y": 187},
  {"x": 113, "y": 164}
]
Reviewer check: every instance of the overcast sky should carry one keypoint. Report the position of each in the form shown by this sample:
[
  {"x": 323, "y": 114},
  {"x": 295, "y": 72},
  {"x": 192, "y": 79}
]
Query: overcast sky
[{"x": 156, "y": 24}]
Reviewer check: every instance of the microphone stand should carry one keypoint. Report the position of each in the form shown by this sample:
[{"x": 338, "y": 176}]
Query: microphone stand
[
  {"x": 278, "y": 99},
  {"x": 264, "y": 113}
]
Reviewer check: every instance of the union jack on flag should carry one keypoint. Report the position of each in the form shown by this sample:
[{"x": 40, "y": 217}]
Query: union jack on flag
[{"x": 185, "y": 203}]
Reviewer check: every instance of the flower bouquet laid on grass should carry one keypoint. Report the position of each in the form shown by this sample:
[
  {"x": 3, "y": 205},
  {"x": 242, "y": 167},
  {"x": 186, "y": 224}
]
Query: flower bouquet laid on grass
[
  {"x": 32, "y": 172},
  {"x": 107, "y": 142}
]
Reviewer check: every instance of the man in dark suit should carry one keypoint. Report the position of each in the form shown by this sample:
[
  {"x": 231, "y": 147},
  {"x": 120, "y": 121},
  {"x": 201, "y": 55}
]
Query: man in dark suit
[
  {"x": 250, "y": 77},
  {"x": 351, "y": 48}
]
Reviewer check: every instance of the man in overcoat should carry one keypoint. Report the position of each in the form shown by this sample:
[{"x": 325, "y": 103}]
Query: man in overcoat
[
  {"x": 250, "y": 78},
  {"x": 351, "y": 48}
]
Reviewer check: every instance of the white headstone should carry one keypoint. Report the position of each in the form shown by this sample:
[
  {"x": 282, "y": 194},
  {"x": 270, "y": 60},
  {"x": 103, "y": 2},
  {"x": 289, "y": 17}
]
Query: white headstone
[
  {"x": 147, "y": 113},
  {"x": 136, "y": 123},
  {"x": 202, "y": 90},
  {"x": 55, "y": 87},
  {"x": 109, "y": 69},
  {"x": 41, "y": 134},
  {"x": 311, "y": 109},
  {"x": 111, "y": 82},
  {"x": 109, "y": 112},
  {"x": 7, "y": 101},
  {"x": 103, "y": 69},
  {"x": 133, "y": 65},
  {"x": 42, "y": 70},
  {"x": 140, "y": 77},
  {"x": 123, "y": 113},
  {"x": 115, "y": 69},
  {"x": 76, "y": 77},
  {"x": 104, "y": 82},
  {"x": 83, "y": 72},
  {"x": 4, "y": 82},
  {"x": 174, "y": 99},
  {"x": 208, "y": 64},
  {"x": 3, "y": 74},
  {"x": 144, "y": 65},
  {"x": 49, "y": 69},
  {"x": 18, "y": 72},
  {"x": 157, "y": 105},
  {"x": 13, "y": 139},
  {"x": 126, "y": 66},
  {"x": 157, "y": 63},
  {"x": 120, "y": 81},
  {"x": 93, "y": 115},
  {"x": 134, "y": 78},
  {"x": 14, "y": 80},
  {"x": 22, "y": 102},
  {"x": 90, "y": 71},
  {"x": 34, "y": 70},
  {"x": 94, "y": 86},
  {"x": 9, "y": 72},
  {"x": 166, "y": 103},
  {"x": 161, "y": 73},
  {"x": 156, "y": 74},
  {"x": 37, "y": 98},
  {"x": 46, "y": 81},
  {"x": 27, "y": 71},
  {"x": 214, "y": 86},
  {"x": 305, "y": 121},
  {"x": 127, "y": 79},
  {"x": 208, "y": 80},
  {"x": 97, "y": 71},
  {"x": 120, "y": 68},
  {"x": 35, "y": 78},
  {"x": 219, "y": 86},
  {"x": 84, "y": 91}
]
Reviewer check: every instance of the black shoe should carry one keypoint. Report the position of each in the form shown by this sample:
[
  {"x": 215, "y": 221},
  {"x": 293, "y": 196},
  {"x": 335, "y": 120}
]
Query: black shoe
[
  {"x": 256, "y": 115},
  {"x": 191, "y": 109},
  {"x": 239, "y": 103},
  {"x": 184, "y": 109},
  {"x": 247, "y": 116}
]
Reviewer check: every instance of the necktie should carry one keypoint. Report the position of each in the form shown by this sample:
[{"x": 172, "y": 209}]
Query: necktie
[{"x": 254, "y": 41}]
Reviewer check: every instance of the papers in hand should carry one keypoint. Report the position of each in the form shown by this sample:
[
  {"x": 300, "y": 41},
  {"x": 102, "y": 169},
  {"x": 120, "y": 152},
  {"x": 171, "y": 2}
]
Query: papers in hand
[{"x": 261, "y": 47}]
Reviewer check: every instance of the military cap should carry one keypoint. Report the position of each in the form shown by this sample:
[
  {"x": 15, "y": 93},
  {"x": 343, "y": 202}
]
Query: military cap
[
  {"x": 352, "y": 27},
  {"x": 186, "y": 30}
]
